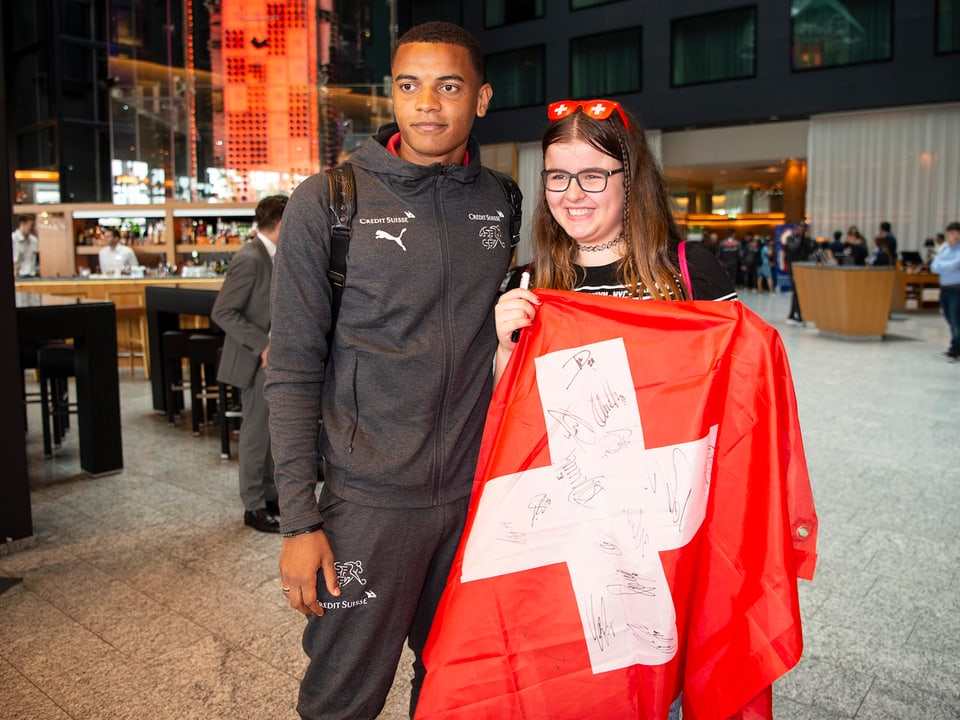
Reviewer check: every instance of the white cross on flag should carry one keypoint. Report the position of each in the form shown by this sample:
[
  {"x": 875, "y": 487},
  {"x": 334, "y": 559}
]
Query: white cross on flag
[{"x": 606, "y": 506}]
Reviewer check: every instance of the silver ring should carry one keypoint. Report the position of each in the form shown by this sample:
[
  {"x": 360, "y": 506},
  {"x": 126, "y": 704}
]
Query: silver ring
[{"x": 284, "y": 590}]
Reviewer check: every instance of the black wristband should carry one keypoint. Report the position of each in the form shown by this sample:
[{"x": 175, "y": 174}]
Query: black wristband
[{"x": 305, "y": 531}]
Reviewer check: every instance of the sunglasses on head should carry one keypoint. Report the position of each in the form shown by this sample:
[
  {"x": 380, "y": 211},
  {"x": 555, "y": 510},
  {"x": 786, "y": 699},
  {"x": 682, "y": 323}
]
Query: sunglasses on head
[{"x": 597, "y": 109}]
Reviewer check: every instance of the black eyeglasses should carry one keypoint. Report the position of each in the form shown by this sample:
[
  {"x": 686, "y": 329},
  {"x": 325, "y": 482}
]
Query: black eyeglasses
[{"x": 591, "y": 180}]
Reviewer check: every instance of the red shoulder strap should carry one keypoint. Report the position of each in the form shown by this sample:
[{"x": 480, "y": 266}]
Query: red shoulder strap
[{"x": 684, "y": 270}]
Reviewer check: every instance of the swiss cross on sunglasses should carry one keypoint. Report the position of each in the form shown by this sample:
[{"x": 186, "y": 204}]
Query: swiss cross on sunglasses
[{"x": 597, "y": 109}]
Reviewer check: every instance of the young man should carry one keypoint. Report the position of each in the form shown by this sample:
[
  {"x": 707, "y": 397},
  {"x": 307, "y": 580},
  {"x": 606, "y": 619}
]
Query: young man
[
  {"x": 242, "y": 311},
  {"x": 403, "y": 389},
  {"x": 946, "y": 263}
]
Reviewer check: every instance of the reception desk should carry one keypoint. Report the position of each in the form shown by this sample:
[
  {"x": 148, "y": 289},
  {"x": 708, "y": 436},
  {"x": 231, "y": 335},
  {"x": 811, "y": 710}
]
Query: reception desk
[{"x": 845, "y": 301}]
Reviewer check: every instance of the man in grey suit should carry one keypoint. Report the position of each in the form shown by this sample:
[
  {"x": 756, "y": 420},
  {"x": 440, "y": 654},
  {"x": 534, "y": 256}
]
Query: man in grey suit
[{"x": 242, "y": 311}]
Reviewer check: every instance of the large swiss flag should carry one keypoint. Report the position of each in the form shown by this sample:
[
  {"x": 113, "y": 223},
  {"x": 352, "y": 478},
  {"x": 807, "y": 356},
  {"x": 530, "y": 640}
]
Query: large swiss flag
[{"x": 640, "y": 516}]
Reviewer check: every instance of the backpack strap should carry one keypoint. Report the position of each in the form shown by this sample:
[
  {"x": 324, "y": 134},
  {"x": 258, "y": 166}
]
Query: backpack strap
[
  {"x": 343, "y": 206},
  {"x": 512, "y": 191}
]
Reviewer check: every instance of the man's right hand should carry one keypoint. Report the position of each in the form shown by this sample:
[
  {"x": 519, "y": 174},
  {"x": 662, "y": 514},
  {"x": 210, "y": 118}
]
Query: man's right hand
[{"x": 302, "y": 557}]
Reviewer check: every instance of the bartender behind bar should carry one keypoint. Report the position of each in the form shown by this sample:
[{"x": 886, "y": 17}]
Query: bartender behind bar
[
  {"x": 26, "y": 248},
  {"x": 116, "y": 258}
]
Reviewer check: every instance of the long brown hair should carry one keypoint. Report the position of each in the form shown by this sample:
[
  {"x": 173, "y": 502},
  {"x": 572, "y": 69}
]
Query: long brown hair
[{"x": 648, "y": 224}]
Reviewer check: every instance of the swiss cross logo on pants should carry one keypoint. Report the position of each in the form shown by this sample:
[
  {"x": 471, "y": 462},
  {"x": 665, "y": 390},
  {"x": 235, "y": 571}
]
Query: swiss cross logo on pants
[{"x": 605, "y": 506}]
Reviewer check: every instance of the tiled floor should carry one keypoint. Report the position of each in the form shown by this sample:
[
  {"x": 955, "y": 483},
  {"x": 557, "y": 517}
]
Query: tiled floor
[{"x": 146, "y": 597}]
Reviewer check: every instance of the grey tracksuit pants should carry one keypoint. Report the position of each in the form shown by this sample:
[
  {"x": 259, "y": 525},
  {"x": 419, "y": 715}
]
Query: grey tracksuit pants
[{"x": 393, "y": 565}]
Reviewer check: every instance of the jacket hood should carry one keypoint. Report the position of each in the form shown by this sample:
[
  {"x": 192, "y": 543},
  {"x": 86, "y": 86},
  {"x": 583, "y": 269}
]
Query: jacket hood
[{"x": 374, "y": 156}]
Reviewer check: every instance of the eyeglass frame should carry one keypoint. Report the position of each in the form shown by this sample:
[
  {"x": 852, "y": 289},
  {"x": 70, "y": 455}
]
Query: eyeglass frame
[
  {"x": 576, "y": 176},
  {"x": 582, "y": 105}
]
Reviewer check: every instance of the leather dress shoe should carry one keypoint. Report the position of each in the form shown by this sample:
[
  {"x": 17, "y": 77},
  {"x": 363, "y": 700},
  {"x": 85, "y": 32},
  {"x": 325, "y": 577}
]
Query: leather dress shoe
[
  {"x": 261, "y": 520},
  {"x": 273, "y": 507}
]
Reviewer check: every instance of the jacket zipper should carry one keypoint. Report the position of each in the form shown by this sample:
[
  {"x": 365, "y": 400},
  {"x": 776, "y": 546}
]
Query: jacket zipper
[{"x": 439, "y": 441}]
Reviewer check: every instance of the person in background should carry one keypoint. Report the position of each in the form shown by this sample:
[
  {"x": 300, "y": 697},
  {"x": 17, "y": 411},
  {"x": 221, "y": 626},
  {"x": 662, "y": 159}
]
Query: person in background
[
  {"x": 750, "y": 262},
  {"x": 946, "y": 264},
  {"x": 799, "y": 248},
  {"x": 856, "y": 246},
  {"x": 837, "y": 245},
  {"x": 403, "y": 386},
  {"x": 711, "y": 242},
  {"x": 603, "y": 224},
  {"x": 765, "y": 268},
  {"x": 242, "y": 311},
  {"x": 887, "y": 233},
  {"x": 881, "y": 255},
  {"x": 26, "y": 247},
  {"x": 115, "y": 257},
  {"x": 728, "y": 253},
  {"x": 940, "y": 241}
]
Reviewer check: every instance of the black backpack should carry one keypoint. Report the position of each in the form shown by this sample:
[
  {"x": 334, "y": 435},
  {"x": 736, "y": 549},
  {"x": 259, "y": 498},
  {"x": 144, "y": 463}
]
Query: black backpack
[{"x": 343, "y": 206}]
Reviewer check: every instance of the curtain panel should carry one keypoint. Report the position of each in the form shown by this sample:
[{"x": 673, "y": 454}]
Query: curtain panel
[{"x": 900, "y": 165}]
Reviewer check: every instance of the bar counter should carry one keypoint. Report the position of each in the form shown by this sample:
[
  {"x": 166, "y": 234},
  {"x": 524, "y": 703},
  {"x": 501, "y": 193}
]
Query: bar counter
[
  {"x": 99, "y": 288},
  {"x": 844, "y": 301}
]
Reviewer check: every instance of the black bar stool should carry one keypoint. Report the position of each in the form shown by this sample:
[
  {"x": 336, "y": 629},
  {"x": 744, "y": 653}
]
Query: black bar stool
[
  {"x": 203, "y": 352},
  {"x": 175, "y": 349},
  {"x": 230, "y": 412},
  {"x": 55, "y": 365}
]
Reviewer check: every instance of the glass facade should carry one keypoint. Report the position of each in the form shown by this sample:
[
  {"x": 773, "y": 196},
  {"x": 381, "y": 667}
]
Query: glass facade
[
  {"x": 145, "y": 101},
  {"x": 497, "y": 13},
  {"x": 948, "y": 26},
  {"x": 843, "y": 32},
  {"x": 516, "y": 77},
  {"x": 714, "y": 47},
  {"x": 422, "y": 11},
  {"x": 582, "y": 4},
  {"x": 607, "y": 64}
]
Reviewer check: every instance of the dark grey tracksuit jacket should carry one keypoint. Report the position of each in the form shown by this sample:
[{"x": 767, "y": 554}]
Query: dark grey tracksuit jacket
[{"x": 404, "y": 395}]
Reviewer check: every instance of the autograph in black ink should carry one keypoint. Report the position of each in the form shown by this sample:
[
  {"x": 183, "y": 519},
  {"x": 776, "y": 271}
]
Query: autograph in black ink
[
  {"x": 633, "y": 584},
  {"x": 575, "y": 427},
  {"x": 583, "y": 488},
  {"x": 605, "y": 402},
  {"x": 508, "y": 534},
  {"x": 601, "y": 629},
  {"x": 539, "y": 504},
  {"x": 581, "y": 360},
  {"x": 654, "y": 639},
  {"x": 678, "y": 507},
  {"x": 640, "y": 536},
  {"x": 615, "y": 440}
]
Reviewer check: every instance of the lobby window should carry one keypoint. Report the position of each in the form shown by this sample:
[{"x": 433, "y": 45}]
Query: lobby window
[
  {"x": 422, "y": 11},
  {"x": 582, "y": 4},
  {"x": 840, "y": 33},
  {"x": 948, "y": 26},
  {"x": 516, "y": 77},
  {"x": 497, "y": 13},
  {"x": 714, "y": 47},
  {"x": 606, "y": 64}
]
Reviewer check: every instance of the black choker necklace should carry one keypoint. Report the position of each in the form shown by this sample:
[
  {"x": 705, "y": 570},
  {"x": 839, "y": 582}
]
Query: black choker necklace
[{"x": 600, "y": 248}]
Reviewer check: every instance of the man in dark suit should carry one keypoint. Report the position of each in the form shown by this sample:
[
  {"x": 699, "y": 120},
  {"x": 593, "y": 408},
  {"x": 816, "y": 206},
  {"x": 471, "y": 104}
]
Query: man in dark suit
[{"x": 242, "y": 311}]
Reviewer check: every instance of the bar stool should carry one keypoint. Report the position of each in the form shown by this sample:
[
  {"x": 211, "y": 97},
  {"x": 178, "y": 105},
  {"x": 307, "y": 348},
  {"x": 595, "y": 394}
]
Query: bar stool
[
  {"x": 230, "y": 412},
  {"x": 175, "y": 349},
  {"x": 132, "y": 340},
  {"x": 55, "y": 365},
  {"x": 203, "y": 354}
]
